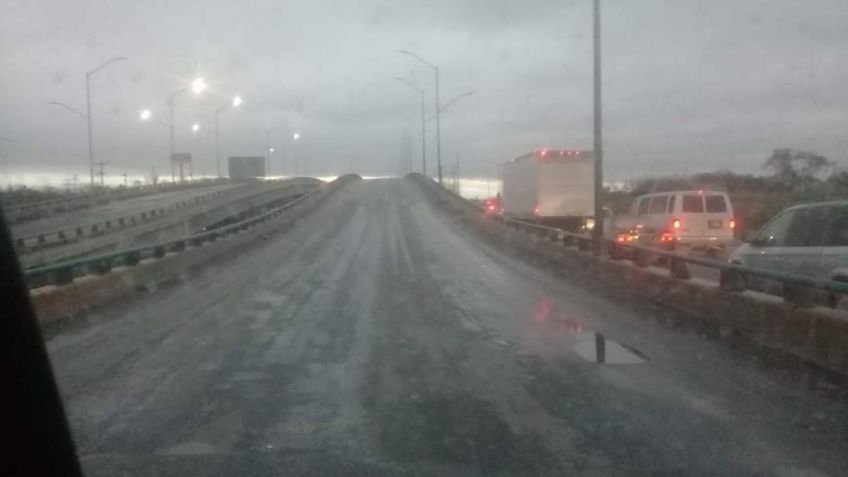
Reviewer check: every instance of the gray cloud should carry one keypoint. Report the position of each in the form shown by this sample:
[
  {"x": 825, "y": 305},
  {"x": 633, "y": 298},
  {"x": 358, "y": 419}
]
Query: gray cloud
[{"x": 689, "y": 85}]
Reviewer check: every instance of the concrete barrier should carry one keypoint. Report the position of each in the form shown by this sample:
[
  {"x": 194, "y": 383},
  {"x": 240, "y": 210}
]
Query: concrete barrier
[
  {"x": 83, "y": 294},
  {"x": 156, "y": 223},
  {"x": 815, "y": 335}
]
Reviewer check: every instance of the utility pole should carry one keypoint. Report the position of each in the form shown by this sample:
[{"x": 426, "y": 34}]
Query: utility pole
[
  {"x": 91, "y": 162},
  {"x": 101, "y": 173},
  {"x": 598, "y": 232},
  {"x": 125, "y": 179},
  {"x": 438, "y": 107},
  {"x": 438, "y": 126}
]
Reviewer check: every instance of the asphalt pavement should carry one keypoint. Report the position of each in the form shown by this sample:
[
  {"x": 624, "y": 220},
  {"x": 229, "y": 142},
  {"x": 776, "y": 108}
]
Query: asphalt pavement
[{"x": 378, "y": 337}]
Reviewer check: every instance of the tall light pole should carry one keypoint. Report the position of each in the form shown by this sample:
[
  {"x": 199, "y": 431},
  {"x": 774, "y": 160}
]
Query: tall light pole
[
  {"x": 237, "y": 101},
  {"x": 297, "y": 157},
  {"x": 438, "y": 119},
  {"x": 598, "y": 231},
  {"x": 88, "y": 112},
  {"x": 268, "y": 151},
  {"x": 197, "y": 87},
  {"x": 423, "y": 124}
]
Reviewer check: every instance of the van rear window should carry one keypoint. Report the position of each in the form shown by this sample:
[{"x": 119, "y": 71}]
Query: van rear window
[
  {"x": 643, "y": 205},
  {"x": 716, "y": 203},
  {"x": 658, "y": 205},
  {"x": 693, "y": 203}
]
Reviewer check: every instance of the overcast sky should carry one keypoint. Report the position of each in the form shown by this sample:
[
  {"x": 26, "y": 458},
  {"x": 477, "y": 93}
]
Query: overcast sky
[{"x": 688, "y": 85}]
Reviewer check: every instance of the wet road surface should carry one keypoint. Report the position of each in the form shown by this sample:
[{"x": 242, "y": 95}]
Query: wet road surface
[{"x": 379, "y": 338}]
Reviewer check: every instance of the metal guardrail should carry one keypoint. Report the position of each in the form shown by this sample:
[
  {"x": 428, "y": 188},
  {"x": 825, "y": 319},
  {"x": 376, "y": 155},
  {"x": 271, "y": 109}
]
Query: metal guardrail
[
  {"x": 58, "y": 237},
  {"x": 66, "y": 272},
  {"x": 81, "y": 201},
  {"x": 734, "y": 278},
  {"x": 33, "y": 243}
]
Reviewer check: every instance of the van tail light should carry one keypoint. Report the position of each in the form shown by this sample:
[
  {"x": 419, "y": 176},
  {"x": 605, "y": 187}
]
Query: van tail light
[
  {"x": 536, "y": 209},
  {"x": 732, "y": 224},
  {"x": 675, "y": 224},
  {"x": 666, "y": 237}
]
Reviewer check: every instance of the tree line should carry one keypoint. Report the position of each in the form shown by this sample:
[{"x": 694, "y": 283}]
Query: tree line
[{"x": 791, "y": 177}]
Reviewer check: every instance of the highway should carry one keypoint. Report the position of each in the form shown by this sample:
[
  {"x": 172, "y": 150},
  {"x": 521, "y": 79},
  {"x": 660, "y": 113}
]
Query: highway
[
  {"x": 109, "y": 210},
  {"x": 377, "y": 337}
]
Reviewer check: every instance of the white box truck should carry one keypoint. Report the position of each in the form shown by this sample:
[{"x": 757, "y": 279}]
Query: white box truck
[{"x": 550, "y": 186}]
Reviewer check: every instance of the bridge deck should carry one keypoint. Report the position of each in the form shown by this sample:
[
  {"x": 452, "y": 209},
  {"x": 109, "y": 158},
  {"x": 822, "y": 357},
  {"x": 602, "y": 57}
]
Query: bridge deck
[{"x": 378, "y": 338}]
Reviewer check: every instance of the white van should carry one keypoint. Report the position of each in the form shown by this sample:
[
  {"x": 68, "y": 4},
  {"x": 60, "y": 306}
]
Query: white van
[{"x": 695, "y": 218}]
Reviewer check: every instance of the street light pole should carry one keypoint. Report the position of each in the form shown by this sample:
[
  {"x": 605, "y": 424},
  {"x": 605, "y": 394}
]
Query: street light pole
[
  {"x": 598, "y": 235},
  {"x": 217, "y": 144},
  {"x": 438, "y": 119},
  {"x": 268, "y": 151},
  {"x": 171, "y": 130},
  {"x": 438, "y": 127},
  {"x": 237, "y": 101},
  {"x": 423, "y": 124},
  {"x": 88, "y": 112},
  {"x": 197, "y": 86}
]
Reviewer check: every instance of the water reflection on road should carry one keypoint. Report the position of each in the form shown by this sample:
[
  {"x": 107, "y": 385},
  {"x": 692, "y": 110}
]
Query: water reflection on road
[{"x": 591, "y": 346}]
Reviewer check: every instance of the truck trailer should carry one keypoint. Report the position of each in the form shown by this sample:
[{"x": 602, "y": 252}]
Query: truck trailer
[{"x": 552, "y": 187}]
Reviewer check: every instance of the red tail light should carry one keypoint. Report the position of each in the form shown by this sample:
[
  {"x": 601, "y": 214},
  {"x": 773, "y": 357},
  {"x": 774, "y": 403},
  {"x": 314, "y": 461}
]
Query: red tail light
[
  {"x": 732, "y": 224},
  {"x": 536, "y": 209},
  {"x": 676, "y": 224}
]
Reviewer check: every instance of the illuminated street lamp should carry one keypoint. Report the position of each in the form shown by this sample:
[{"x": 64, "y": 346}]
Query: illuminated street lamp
[
  {"x": 197, "y": 87},
  {"x": 195, "y": 127},
  {"x": 145, "y": 114}
]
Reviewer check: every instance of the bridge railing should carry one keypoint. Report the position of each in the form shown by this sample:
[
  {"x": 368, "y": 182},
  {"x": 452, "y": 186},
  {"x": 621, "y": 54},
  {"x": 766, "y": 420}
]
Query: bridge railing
[
  {"x": 33, "y": 210},
  {"x": 31, "y": 243},
  {"x": 796, "y": 289},
  {"x": 733, "y": 277},
  {"x": 66, "y": 272}
]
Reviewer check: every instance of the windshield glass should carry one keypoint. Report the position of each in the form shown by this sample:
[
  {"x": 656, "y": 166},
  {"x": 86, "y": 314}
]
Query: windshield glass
[{"x": 415, "y": 238}]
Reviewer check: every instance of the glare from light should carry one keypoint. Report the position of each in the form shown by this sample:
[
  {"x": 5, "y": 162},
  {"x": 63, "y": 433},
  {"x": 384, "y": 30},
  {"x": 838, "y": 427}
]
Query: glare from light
[
  {"x": 198, "y": 86},
  {"x": 195, "y": 127},
  {"x": 296, "y": 136},
  {"x": 237, "y": 101},
  {"x": 145, "y": 114},
  {"x": 270, "y": 149}
]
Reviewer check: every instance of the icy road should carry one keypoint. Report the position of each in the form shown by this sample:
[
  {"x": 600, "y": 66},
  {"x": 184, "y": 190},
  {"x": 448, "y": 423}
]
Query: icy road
[{"x": 379, "y": 338}]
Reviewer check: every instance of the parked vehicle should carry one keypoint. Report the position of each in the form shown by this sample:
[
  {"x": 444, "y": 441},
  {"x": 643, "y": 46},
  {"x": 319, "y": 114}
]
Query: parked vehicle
[
  {"x": 808, "y": 239},
  {"x": 700, "y": 219},
  {"x": 551, "y": 187}
]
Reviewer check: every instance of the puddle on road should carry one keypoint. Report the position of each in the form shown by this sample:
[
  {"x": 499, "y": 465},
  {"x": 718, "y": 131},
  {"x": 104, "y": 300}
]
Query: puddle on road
[
  {"x": 598, "y": 349},
  {"x": 591, "y": 346}
]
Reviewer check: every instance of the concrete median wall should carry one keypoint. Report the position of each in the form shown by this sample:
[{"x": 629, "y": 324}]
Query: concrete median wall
[
  {"x": 815, "y": 335},
  {"x": 84, "y": 294},
  {"x": 174, "y": 220}
]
